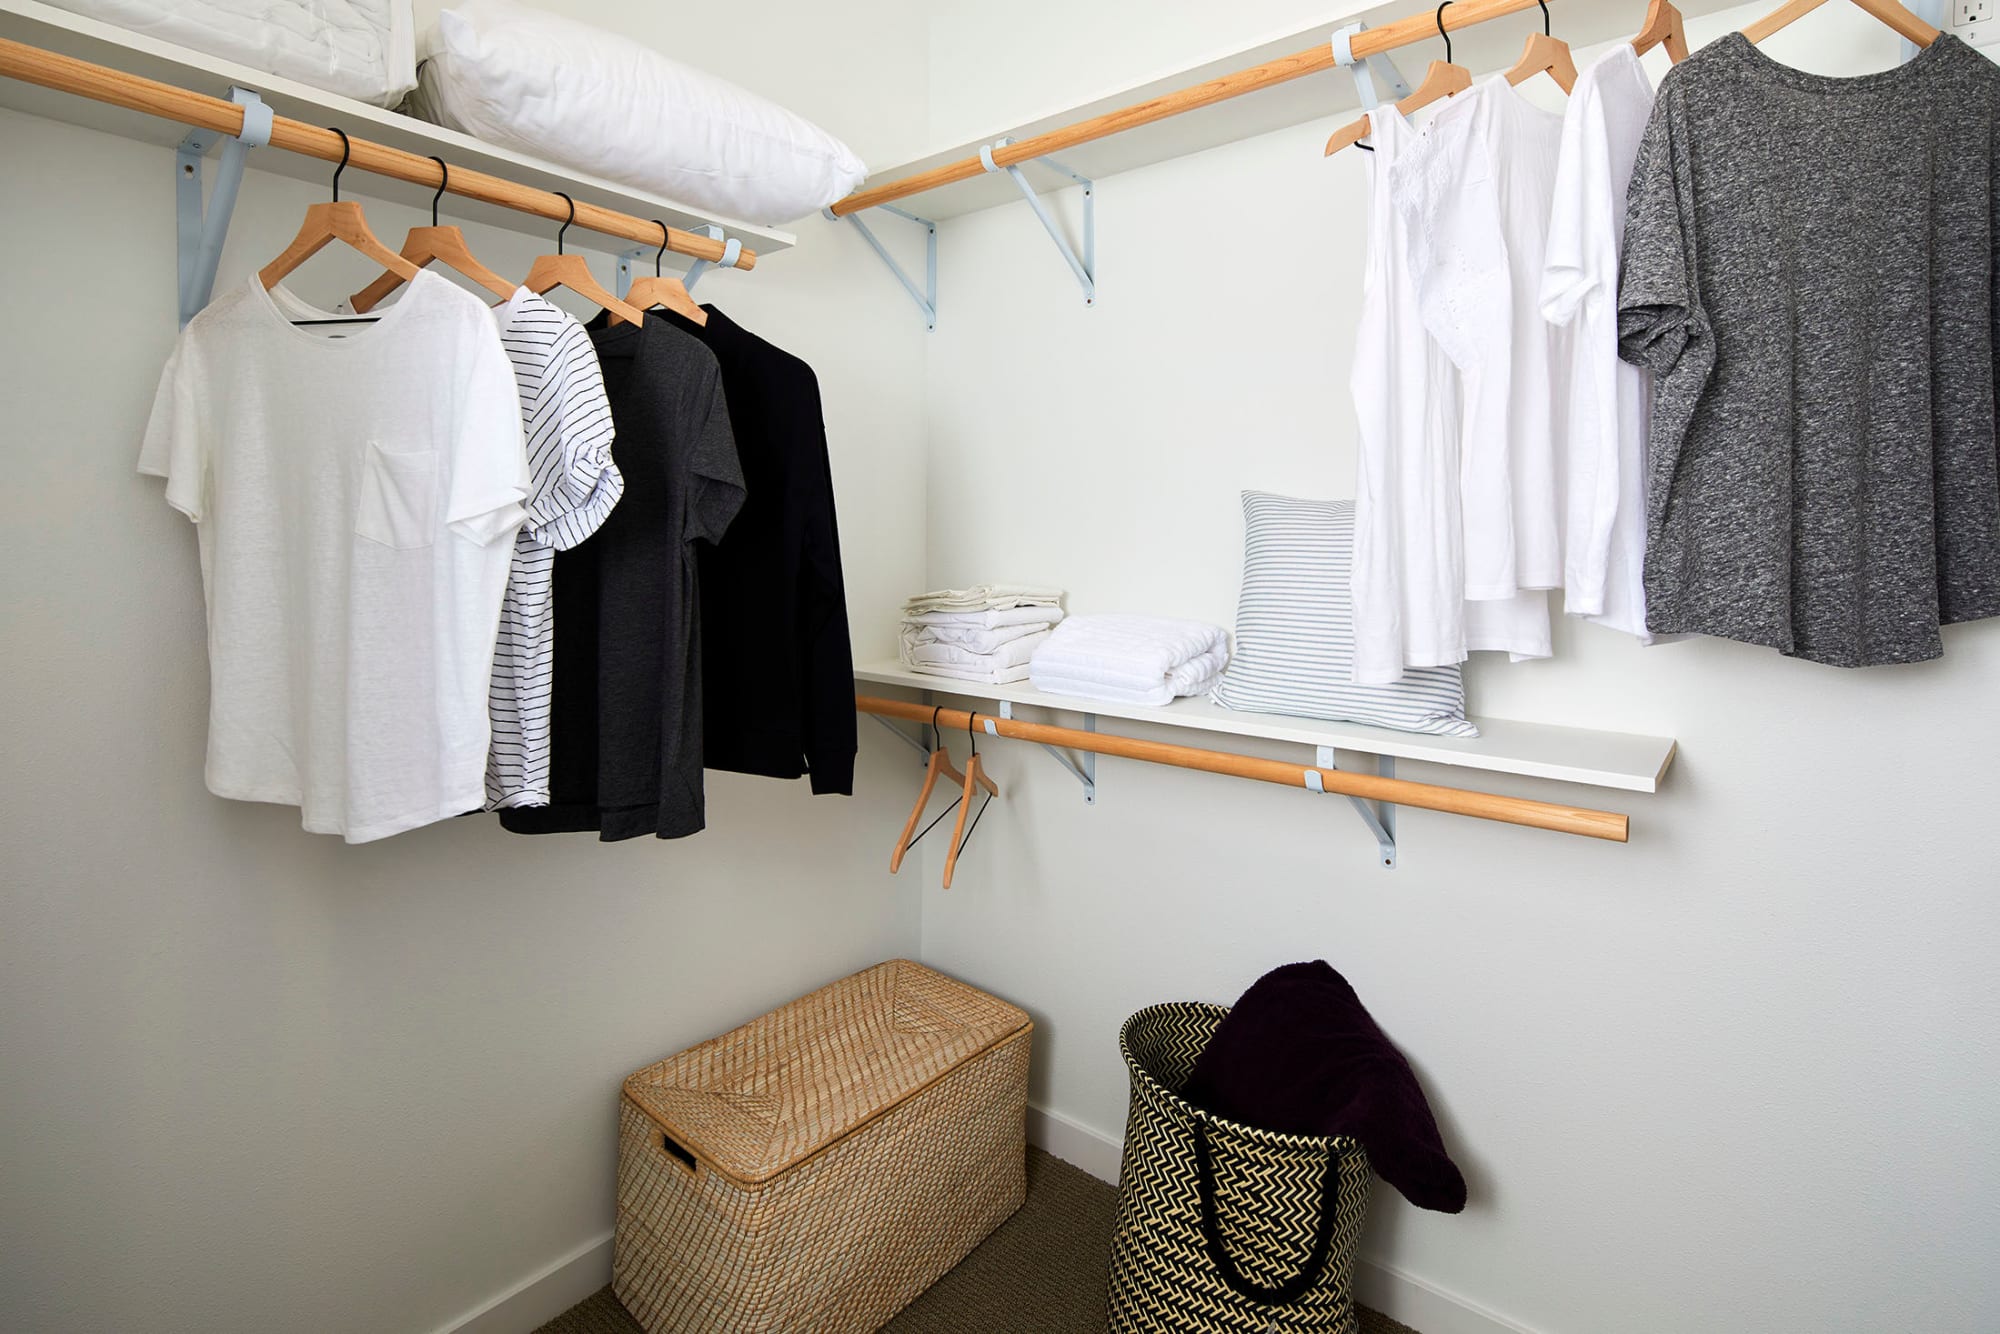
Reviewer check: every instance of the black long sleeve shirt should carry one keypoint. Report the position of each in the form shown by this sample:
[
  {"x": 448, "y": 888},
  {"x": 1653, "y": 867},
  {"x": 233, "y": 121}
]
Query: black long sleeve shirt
[{"x": 777, "y": 667}]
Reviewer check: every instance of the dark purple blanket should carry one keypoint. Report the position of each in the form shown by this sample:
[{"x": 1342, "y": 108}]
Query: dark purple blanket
[{"x": 1299, "y": 1054}]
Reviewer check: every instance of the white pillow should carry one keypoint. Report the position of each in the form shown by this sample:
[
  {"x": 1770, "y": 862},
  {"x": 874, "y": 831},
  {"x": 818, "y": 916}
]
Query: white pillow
[
  {"x": 604, "y": 104},
  {"x": 1295, "y": 628}
]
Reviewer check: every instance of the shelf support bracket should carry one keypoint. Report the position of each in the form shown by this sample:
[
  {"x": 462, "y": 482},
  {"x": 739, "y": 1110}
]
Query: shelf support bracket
[
  {"x": 926, "y": 298},
  {"x": 1084, "y": 772},
  {"x": 731, "y": 248},
  {"x": 1379, "y": 817},
  {"x": 1085, "y": 268},
  {"x": 198, "y": 231},
  {"x": 903, "y": 736},
  {"x": 1376, "y": 78}
]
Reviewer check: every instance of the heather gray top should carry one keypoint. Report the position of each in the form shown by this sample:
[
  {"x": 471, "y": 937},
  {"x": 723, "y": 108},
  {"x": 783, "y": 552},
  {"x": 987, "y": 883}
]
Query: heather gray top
[{"x": 1810, "y": 274}]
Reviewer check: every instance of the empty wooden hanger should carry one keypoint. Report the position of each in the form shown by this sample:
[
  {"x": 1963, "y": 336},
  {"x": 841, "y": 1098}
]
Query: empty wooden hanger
[
  {"x": 1544, "y": 54},
  {"x": 938, "y": 764},
  {"x": 975, "y": 774},
  {"x": 1663, "y": 25},
  {"x": 660, "y": 290},
  {"x": 1443, "y": 79},
  {"x": 573, "y": 272},
  {"x": 425, "y": 246},
  {"x": 335, "y": 221},
  {"x": 1906, "y": 24}
]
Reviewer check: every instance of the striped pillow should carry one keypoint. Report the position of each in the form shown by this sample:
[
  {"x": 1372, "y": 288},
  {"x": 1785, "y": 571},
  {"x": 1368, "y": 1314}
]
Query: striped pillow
[{"x": 1295, "y": 628}]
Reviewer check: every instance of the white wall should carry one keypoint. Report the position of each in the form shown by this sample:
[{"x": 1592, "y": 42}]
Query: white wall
[
  {"x": 1735, "y": 1076},
  {"x": 252, "y": 1079}
]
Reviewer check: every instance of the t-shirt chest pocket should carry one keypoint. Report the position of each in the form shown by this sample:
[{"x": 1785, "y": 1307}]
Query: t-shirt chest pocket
[{"x": 398, "y": 505}]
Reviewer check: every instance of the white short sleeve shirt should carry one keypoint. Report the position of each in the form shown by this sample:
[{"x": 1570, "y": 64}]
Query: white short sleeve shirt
[{"x": 355, "y": 491}]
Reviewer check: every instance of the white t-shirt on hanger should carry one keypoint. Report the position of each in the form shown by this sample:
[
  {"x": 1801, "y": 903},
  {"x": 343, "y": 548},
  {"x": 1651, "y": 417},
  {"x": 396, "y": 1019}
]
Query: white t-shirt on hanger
[
  {"x": 1604, "y": 526},
  {"x": 1408, "y": 577},
  {"x": 1475, "y": 193},
  {"x": 356, "y": 491}
]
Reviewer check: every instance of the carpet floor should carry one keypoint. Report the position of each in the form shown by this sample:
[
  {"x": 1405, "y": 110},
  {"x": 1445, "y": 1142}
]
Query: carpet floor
[{"x": 1042, "y": 1272}]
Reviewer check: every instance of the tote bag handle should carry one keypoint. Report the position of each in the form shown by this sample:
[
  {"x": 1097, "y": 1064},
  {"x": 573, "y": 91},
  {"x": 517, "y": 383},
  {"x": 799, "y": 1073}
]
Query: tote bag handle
[{"x": 1284, "y": 1294}]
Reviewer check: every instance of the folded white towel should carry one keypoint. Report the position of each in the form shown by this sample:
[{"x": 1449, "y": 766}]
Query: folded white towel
[
  {"x": 1147, "y": 659},
  {"x": 999, "y": 676},
  {"x": 1097, "y": 690},
  {"x": 991, "y": 619},
  {"x": 983, "y": 597},
  {"x": 969, "y": 637},
  {"x": 1013, "y": 653}
]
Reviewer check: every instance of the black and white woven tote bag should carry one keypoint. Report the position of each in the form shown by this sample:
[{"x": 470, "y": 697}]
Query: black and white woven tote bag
[{"x": 1223, "y": 1227}]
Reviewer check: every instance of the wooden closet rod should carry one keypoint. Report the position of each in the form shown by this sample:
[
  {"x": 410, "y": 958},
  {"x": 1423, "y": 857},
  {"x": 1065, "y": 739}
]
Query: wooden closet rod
[
  {"x": 1368, "y": 42},
  {"x": 1399, "y": 791},
  {"x": 49, "y": 69}
]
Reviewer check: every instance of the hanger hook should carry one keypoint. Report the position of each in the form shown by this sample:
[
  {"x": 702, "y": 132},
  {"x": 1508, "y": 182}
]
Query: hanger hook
[
  {"x": 1545, "y": 17},
  {"x": 345, "y": 148},
  {"x": 971, "y": 735},
  {"x": 937, "y": 737},
  {"x": 444, "y": 181},
  {"x": 665, "y": 237},
  {"x": 566, "y": 221},
  {"x": 1439, "y": 17}
]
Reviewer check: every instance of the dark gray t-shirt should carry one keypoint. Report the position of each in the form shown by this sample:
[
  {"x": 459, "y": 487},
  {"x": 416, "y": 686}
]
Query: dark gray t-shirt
[
  {"x": 626, "y": 713},
  {"x": 1810, "y": 274}
]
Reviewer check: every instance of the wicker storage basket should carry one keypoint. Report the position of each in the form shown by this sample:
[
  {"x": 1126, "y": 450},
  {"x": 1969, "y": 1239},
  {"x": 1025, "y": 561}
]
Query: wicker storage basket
[
  {"x": 817, "y": 1168},
  {"x": 1223, "y": 1227}
]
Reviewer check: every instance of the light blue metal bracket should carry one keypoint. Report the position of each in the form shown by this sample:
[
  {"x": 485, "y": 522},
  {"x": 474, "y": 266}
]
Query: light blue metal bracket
[
  {"x": 627, "y": 268},
  {"x": 1084, "y": 267},
  {"x": 731, "y": 248},
  {"x": 198, "y": 231},
  {"x": 926, "y": 298},
  {"x": 1380, "y": 817},
  {"x": 1084, "y": 772},
  {"x": 1376, "y": 78},
  {"x": 902, "y": 736}
]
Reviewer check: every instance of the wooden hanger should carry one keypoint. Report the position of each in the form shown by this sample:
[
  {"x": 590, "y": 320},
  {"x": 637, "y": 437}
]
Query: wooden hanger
[
  {"x": 939, "y": 763},
  {"x": 1906, "y": 24},
  {"x": 975, "y": 774},
  {"x": 425, "y": 246},
  {"x": 573, "y": 272},
  {"x": 1544, "y": 54},
  {"x": 1663, "y": 25},
  {"x": 660, "y": 290},
  {"x": 1443, "y": 79},
  {"x": 335, "y": 221}
]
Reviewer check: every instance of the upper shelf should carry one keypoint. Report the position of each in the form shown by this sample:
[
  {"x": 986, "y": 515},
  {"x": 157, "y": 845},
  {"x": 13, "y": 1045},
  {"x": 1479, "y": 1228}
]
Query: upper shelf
[
  {"x": 135, "y": 53},
  {"x": 1621, "y": 760},
  {"x": 1483, "y": 47}
]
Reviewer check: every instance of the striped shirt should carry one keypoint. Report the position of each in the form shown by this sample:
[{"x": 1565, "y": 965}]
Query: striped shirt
[{"x": 566, "y": 421}]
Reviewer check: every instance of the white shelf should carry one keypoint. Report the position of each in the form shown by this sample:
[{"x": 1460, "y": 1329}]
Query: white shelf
[
  {"x": 1622, "y": 760},
  {"x": 1481, "y": 48},
  {"x": 135, "y": 53}
]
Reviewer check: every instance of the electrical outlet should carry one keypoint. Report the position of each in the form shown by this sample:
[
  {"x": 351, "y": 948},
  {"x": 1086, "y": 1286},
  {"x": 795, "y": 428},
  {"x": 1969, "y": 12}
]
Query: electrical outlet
[{"x": 1974, "y": 21}]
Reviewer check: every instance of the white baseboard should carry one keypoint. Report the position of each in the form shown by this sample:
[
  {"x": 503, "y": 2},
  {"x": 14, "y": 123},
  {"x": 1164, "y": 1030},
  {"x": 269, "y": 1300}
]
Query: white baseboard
[
  {"x": 542, "y": 1296},
  {"x": 1074, "y": 1142},
  {"x": 1422, "y": 1306}
]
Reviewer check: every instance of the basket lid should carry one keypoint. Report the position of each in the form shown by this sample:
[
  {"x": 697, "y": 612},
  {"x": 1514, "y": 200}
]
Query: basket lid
[{"x": 769, "y": 1095}]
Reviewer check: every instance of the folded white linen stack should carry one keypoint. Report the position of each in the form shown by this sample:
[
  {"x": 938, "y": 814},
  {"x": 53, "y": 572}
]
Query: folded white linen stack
[
  {"x": 982, "y": 597},
  {"x": 985, "y": 634},
  {"x": 1130, "y": 659}
]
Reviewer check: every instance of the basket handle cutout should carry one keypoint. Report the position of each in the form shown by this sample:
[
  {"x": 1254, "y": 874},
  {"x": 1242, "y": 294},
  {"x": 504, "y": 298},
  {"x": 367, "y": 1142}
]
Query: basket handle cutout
[
  {"x": 1284, "y": 1294},
  {"x": 677, "y": 1153}
]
